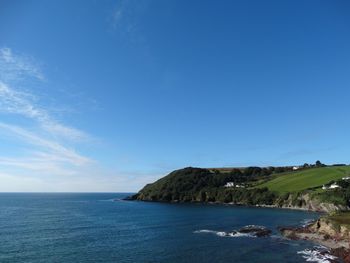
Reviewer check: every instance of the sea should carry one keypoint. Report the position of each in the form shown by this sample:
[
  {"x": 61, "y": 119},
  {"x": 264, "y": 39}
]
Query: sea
[{"x": 102, "y": 227}]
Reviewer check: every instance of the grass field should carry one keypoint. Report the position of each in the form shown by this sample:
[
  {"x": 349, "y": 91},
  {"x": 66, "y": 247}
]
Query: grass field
[
  {"x": 342, "y": 218},
  {"x": 298, "y": 181}
]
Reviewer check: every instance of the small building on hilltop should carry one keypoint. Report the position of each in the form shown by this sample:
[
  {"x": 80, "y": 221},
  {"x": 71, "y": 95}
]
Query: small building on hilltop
[
  {"x": 232, "y": 184},
  {"x": 332, "y": 186},
  {"x": 229, "y": 184}
]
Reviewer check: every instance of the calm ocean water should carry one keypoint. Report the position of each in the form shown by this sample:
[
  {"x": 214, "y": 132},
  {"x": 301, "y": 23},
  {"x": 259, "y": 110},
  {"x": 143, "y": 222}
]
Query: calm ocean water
[{"x": 94, "y": 228}]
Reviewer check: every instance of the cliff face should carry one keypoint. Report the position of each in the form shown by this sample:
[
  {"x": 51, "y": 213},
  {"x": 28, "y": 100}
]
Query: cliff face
[{"x": 305, "y": 202}]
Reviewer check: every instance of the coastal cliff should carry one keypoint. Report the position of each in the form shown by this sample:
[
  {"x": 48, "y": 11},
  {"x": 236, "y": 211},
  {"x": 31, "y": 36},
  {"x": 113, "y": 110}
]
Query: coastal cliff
[{"x": 305, "y": 201}]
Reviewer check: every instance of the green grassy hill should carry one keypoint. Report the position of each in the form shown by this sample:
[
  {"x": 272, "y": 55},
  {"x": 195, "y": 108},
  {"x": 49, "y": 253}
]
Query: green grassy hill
[{"x": 302, "y": 180}]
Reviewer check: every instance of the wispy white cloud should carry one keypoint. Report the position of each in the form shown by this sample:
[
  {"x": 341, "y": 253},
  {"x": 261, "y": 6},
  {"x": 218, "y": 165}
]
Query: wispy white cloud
[
  {"x": 25, "y": 104},
  {"x": 40, "y": 152},
  {"x": 43, "y": 138},
  {"x": 54, "y": 147},
  {"x": 15, "y": 67}
]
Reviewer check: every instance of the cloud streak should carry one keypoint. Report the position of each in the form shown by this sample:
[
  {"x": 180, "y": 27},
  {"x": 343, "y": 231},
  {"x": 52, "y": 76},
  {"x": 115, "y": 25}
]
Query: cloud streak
[
  {"x": 39, "y": 152},
  {"x": 15, "y": 67},
  {"x": 61, "y": 152},
  {"x": 43, "y": 138},
  {"x": 23, "y": 103}
]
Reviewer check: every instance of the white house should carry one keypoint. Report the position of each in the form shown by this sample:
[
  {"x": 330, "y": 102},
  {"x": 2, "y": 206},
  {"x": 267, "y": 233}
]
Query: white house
[
  {"x": 295, "y": 168},
  {"x": 332, "y": 186},
  {"x": 232, "y": 184},
  {"x": 229, "y": 184}
]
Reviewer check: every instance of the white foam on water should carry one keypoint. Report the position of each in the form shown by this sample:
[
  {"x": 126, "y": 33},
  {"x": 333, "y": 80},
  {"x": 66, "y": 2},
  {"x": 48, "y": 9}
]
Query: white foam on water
[
  {"x": 204, "y": 231},
  {"x": 254, "y": 226},
  {"x": 318, "y": 254},
  {"x": 243, "y": 235},
  {"x": 306, "y": 222},
  {"x": 222, "y": 233}
]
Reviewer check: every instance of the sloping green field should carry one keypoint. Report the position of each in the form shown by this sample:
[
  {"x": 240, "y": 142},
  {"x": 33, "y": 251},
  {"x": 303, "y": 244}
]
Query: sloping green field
[
  {"x": 342, "y": 218},
  {"x": 302, "y": 180}
]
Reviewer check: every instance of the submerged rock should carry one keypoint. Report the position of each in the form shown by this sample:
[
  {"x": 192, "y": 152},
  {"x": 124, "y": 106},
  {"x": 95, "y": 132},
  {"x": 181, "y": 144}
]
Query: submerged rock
[{"x": 128, "y": 198}]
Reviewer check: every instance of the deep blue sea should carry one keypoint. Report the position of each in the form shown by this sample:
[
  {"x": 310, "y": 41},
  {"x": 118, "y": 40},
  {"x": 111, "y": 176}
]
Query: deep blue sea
[{"x": 74, "y": 227}]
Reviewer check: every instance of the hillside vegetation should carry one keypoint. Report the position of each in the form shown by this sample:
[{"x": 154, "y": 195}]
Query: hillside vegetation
[
  {"x": 306, "y": 179},
  {"x": 204, "y": 185},
  {"x": 274, "y": 186}
]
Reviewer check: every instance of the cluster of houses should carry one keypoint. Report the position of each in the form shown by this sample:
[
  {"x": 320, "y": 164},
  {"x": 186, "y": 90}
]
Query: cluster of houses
[
  {"x": 334, "y": 185},
  {"x": 232, "y": 184}
]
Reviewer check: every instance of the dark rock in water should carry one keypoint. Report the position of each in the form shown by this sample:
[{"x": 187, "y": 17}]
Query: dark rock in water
[
  {"x": 230, "y": 234},
  {"x": 258, "y": 231},
  {"x": 130, "y": 198}
]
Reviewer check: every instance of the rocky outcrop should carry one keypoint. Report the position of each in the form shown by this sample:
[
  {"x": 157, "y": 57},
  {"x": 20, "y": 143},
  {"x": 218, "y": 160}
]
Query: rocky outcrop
[
  {"x": 322, "y": 229},
  {"x": 330, "y": 229},
  {"x": 326, "y": 232},
  {"x": 258, "y": 231},
  {"x": 248, "y": 231}
]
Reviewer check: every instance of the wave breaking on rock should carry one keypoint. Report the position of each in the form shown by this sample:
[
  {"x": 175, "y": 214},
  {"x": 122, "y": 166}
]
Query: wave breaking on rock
[
  {"x": 246, "y": 231},
  {"x": 318, "y": 254}
]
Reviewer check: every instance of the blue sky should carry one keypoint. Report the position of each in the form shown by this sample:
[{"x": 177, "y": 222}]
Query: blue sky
[{"x": 110, "y": 95}]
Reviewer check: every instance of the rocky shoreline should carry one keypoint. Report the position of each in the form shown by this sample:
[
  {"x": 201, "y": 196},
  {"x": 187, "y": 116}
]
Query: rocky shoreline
[
  {"x": 304, "y": 203},
  {"x": 323, "y": 232}
]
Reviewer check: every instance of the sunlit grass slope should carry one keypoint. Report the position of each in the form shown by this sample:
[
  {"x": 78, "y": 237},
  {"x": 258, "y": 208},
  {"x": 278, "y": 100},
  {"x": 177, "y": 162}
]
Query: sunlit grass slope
[
  {"x": 302, "y": 180},
  {"x": 342, "y": 218}
]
